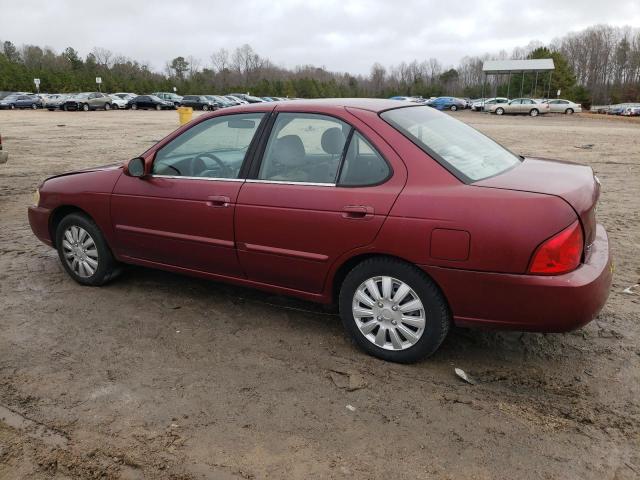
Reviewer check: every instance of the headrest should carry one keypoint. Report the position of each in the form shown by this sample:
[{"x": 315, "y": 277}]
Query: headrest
[
  {"x": 289, "y": 150},
  {"x": 332, "y": 141}
]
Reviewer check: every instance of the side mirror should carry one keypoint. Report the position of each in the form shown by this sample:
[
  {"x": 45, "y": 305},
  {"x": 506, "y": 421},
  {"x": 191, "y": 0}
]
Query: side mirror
[{"x": 135, "y": 167}]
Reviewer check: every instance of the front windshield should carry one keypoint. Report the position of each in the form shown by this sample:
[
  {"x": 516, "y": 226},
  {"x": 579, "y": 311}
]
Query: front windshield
[{"x": 464, "y": 151}]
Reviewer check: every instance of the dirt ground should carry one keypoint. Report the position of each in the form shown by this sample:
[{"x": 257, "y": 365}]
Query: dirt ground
[{"x": 161, "y": 376}]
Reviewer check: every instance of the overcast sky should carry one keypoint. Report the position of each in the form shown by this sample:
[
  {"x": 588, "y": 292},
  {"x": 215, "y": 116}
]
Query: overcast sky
[{"x": 342, "y": 35}]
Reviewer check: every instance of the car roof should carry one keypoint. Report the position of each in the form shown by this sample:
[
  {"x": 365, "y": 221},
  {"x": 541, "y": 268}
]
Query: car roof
[{"x": 371, "y": 104}]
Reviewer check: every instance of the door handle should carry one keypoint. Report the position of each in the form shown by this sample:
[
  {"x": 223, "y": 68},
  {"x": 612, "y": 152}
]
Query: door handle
[
  {"x": 357, "y": 211},
  {"x": 218, "y": 201}
]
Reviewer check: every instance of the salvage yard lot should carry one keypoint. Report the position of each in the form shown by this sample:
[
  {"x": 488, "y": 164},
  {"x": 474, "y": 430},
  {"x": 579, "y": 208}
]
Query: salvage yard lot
[{"x": 162, "y": 376}]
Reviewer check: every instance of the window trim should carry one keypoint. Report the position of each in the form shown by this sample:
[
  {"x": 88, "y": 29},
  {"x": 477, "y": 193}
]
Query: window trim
[
  {"x": 254, "y": 169},
  {"x": 242, "y": 173}
]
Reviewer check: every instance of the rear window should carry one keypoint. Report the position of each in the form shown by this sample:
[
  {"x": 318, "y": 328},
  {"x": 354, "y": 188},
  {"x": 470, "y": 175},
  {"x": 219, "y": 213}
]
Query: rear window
[{"x": 465, "y": 152}]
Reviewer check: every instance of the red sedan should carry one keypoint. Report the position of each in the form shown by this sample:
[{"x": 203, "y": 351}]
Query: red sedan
[{"x": 408, "y": 219}]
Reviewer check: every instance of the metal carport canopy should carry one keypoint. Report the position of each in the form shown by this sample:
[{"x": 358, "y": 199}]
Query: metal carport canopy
[{"x": 496, "y": 67}]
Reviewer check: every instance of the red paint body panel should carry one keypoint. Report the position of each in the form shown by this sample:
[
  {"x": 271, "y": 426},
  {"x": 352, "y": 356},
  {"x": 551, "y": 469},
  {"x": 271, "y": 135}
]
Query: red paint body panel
[
  {"x": 475, "y": 240},
  {"x": 527, "y": 302},
  {"x": 173, "y": 221}
]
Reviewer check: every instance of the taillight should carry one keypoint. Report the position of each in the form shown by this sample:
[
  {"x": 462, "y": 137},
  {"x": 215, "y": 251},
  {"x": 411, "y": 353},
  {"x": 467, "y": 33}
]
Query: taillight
[{"x": 559, "y": 254}]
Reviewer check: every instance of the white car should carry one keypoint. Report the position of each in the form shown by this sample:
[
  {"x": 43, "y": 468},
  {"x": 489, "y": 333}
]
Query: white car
[
  {"x": 563, "y": 106},
  {"x": 481, "y": 104},
  {"x": 119, "y": 100}
]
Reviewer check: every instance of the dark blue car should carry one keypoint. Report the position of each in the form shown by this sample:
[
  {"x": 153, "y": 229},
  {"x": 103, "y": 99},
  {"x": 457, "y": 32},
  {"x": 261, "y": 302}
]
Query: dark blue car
[
  {"x": 28, "y": 101},
  {"x": 447, "y": 103}
]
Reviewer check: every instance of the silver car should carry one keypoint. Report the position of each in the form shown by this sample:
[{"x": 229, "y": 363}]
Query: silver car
[
  {"x": 559, "y": 105},
  {"x": 481, "y": 104},
  {"x": 526, "y": 106}
]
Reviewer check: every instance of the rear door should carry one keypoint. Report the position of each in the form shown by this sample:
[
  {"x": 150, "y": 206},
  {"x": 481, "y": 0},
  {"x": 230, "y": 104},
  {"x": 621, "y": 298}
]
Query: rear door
[{"x": 318, "y": 190}]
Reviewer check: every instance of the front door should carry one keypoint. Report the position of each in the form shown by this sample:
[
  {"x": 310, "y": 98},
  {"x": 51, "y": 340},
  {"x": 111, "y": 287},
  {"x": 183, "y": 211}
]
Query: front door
[
  {"x": 321, "y": 189},
  {"x": 182, "y": 214}
]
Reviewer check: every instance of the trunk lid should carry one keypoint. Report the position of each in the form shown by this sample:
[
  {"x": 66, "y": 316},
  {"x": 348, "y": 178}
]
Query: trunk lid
[{"x": 574, "y": 183}]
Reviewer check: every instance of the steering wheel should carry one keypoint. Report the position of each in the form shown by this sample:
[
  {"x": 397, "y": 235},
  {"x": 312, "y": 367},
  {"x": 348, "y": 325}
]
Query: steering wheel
[{"x": 200, "y": 166}]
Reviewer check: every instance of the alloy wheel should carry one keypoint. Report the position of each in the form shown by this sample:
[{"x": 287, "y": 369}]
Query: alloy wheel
[
  {"x": 388, "y": 313},
  {"x": 80, "y": 251}
]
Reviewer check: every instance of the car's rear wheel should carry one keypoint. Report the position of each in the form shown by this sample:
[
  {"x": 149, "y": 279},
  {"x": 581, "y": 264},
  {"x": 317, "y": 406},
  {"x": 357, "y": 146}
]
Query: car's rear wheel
[
  {"x": 83, "y": 251},
  {"x": 393, "y": 310},
  {"x": 107, "y": 106},
  {"x": 534, "y": 112},
  {"x": 13, "y": 107},
  {"x": 454, "y": 108},
  {"x": 34, "y": 106},
  {"x": 158, "y": 107},
  {"x": 205, "y": 107},
  {"x": 569, "y": 111},
  {"x": 499, "y": 111},
  {"x": 85, "y": 107}
]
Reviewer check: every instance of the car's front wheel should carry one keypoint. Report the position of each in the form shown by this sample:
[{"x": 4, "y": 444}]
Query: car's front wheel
[
  {"x": 393, "y": 310},
  {"x": 569, "y": 111},
  {"x": 534, "y": 112},
  {"x": 158, "y": 107},
  {"x": 83, "y": 251},
  {"x": 454, "y": 108},
  {"x": 134, "y": 106},
  {"x": 499, "y": 111}
]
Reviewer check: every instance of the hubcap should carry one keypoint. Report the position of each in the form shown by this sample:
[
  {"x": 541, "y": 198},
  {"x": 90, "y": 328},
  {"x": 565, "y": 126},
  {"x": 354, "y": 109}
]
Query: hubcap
[
  {"x": 80, "y": 251},
  {"x": 389, "y": 313}
]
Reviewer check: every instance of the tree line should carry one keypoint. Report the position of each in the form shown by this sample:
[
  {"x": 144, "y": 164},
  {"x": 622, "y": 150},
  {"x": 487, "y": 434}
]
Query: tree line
[{"x": 600, "y": 64}]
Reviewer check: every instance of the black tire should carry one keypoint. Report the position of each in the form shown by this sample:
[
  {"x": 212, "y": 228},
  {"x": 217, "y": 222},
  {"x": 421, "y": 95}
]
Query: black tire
[
  {"x": 569, "y": 111},
  {"x": 13, "y": 107},
  {"x": 499, "y": 111},
  {"x": 436, "y": 309},
  {"x": 85, "y": 107},
  {"x": 205, "y": 108},
  {"x": 63, "y": 108},
  {"x": 107, "y": 106},
  {"x": 134, "y": 106},
  {"x": 454, "y": 108},
  {"x": 34, "y": 106},
  {"x": 158, "y": 107},
  {"x": 107, "y": 267},
  {"x": 533, "y": 112}
]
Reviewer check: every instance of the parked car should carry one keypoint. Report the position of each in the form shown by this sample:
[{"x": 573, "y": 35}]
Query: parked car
[
  {"x": 558, "y": 105},
  {"x": 29, "y": 101},
  {"x": 169, "y": 97},
  {"x": 149, "y": 102},
  {"x": 235, "y": 100},
  {"x": 119, "y": 101},
  {"x": 55, "y": 101},
  {"x": 220, "y": 101},
  {"x": 198, "y": 102},
  {"x": 447, "y": 103},
  {"x": 9, "y": 102},
  {"x": 526, "y": 106},
  {"x": 366, "y": 207},
  {"x": 247, "y": 98},
  {"x": 631, "y": 110},
  {"x": 481, "y": 104},
  {"x": 88, "y": 101},
  {"x": 4, "y": 156}
]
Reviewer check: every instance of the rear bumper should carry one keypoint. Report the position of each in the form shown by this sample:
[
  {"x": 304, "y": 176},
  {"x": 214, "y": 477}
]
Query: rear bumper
[
  {"x": 39, "y": 221},
  {"x": 530, "y": 302}
]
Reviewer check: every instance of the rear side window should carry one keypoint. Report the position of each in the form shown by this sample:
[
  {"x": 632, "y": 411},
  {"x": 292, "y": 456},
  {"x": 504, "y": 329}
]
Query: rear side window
[
  {"x": 304, "y": 148},
  {"x": 363, "y": 165},
  {"x": 464, "y": 151}
]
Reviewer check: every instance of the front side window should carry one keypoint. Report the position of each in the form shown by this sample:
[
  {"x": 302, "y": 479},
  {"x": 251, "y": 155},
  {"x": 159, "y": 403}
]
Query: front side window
[
  {"x": 215, "y": 148},
  {"x": 304, "y": 148},
  {"x": 464, "y": 151}
]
